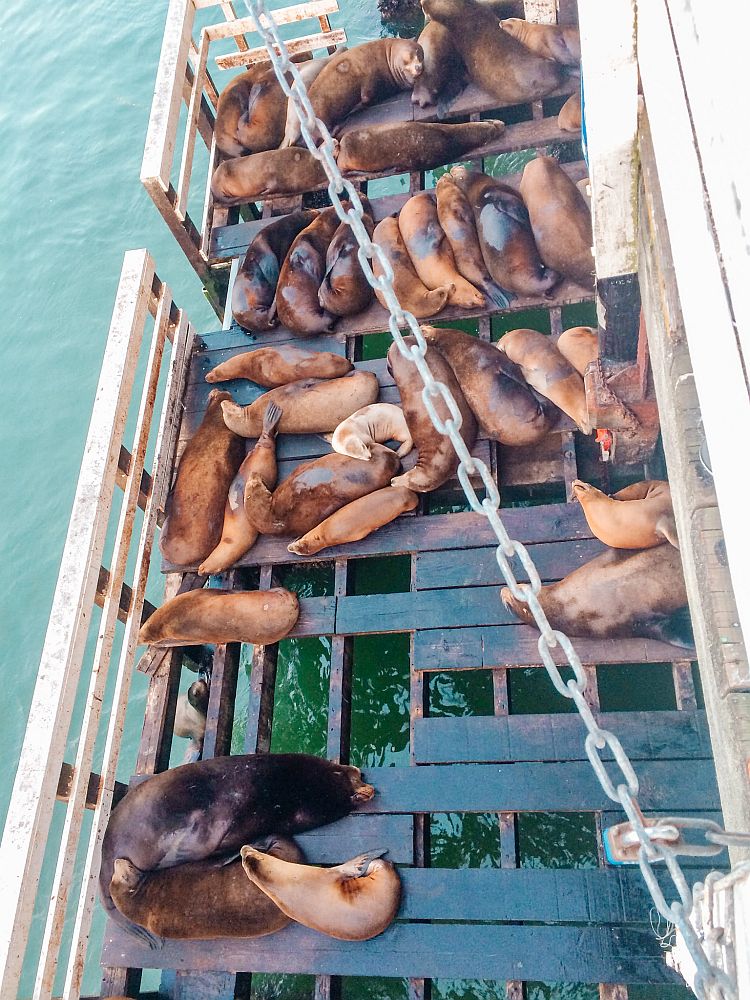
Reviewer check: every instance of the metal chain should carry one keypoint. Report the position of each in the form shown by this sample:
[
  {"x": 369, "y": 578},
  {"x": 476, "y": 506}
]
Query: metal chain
[{"x": 711, "y": 982}]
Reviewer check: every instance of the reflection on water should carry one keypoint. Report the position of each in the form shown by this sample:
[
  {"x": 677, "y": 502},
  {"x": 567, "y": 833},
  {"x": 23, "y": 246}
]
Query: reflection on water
[{"x": 464, "y": 840}]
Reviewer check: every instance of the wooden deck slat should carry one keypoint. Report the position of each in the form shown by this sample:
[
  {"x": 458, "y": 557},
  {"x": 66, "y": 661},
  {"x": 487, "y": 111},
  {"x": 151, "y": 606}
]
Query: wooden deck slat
[{"x": 337, "y": 842}]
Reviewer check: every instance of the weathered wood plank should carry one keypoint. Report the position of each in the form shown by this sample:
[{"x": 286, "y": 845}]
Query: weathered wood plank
[{"x": 337, "y": 842}]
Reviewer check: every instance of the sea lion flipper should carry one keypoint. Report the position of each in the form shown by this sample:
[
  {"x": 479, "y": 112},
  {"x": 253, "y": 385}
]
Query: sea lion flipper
[
  {"x": 498, "y": 295},
  {"x": 666, "y": 527},
  {"x": 675, "y": 629},
  {"x": 357, "y": 867}
]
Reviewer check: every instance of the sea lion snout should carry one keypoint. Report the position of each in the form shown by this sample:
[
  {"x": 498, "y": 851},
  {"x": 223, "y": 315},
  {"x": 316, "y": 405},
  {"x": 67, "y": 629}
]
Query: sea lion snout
[{"x": 364, "y": 793}]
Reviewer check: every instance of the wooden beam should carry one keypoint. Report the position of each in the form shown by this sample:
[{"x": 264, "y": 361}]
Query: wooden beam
[{"x": 307, "y": 43}]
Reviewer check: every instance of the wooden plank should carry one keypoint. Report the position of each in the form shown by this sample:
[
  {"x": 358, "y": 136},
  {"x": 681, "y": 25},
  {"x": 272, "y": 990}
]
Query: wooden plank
[
  {"x": 284, "y": 15},
  {"x": 337, "y": 842},
  {"x": 294, "y": 46},
  {"x": 93, "y": 790},
  {"x": 262, "y": 686},
  {"x": 317, "y": 616},
  {"x": 191, "y": 128}
]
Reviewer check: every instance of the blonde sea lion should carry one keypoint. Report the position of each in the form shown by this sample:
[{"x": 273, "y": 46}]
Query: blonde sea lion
[
  {"x": 562, "y": 43},
  {"x": 344, "y": 290},
  {"x": 275, "y": 366},
  {"x": 219, "y": 616},
  {"x": 443, "y": 71},
  {"x": 637, "y": 517},
  {"x": 250, "y": 113},
  {"x": 374, "y": 424},
  {"x": 195, "y": 506},
  {"x": 352, "y": 902},
  {"x": 238, "y": 535},
  {"x": 357, "y": 520},
  {"x": 411, "y": 293},
  {"x": 547, "y": 371},
  {"x": 309, "y": 406},
  {"x": 570, "y": 117},
  {"x": 431, "y": 252},
  {"x": 302, "y": 273},
  {"x": 580, "y": 346},
  {"x": 266, "y": 175},
  {"x": 190, "y": 717}
]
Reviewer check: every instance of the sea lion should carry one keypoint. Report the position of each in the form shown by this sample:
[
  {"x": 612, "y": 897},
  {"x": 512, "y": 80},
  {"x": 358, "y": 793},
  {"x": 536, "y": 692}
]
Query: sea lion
[
  {"x": 309, "y": 406},
  {"x": 621, "y": 594},
  {"x": 213, "y": 807},
  {"x": 202, "y": 899},
  {"x": 357, "y": 520},
  {"x": 494, "y": 59},
  {"x": 238, "y": 535},
  {"x": 457, "y": 222},
  {"x": 250, "y": 113},
  {"x": 505, "y": 235},
  {"x": 411, "y": 293},
  {"x": 266, "y": 175},
  {"x": 302, "y": 273},
  {"x": 560, "y": 219},
  {"x": 570, "y": 116},
  {"x": 437, "y": 460},
  {"x": 443, "y": 71},
  {"x": 504, "y": 405},
  {"x": 315, "y": 490},
  {"x": 195, "y": 506},
  {"x": 345, "y": 291},
  {"x": 197, "y": 616},
  {"x": 580, "y": 346},
  {"x": 374, "y": 424},
  {"x": 409, "y": 146},
  {"x": 431, "y": 253},
  {"x": 309, "y": 71},
  {"x": 190, "y": 716},
  {"x": 352, "y": 902},
  {"x": 637, "y": 517},
  {"x": 547, "y": 371},
  {"x": 254, "y": 291},
  {"x": 275, "y": 366},
  {"x": 562, "y": 43}
]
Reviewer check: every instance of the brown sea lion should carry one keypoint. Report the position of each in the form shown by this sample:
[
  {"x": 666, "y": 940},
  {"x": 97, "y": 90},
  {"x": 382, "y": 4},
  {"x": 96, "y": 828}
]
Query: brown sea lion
[
  {"x": 344, "y": 290},
  {"x": 431, "y": 253},
  {"x": 195, "y": 506},
  {"x": 504, "y": 405},
  {"x": 309, "y": 71},
  {"x": 251, "y": 113},
  {"x": 580, "y": 346},
  {"x": 357, "y": 520},
  {"x": 309, "y": 406},
  {"x": 238, "y": 535},
  {"x": 301, "y": 276},
  {"x": 505, "y": 235},
  {"x": 411, "y": 293},
  {"x": 276, "y": 366},
  {"x": 254, "y": 291},
  {"x": 569, "y": 119},
  {"x": 352, "y": 902},
  {"x": 437, "y": 460},
  {"x": 560, "y": 219},
  {"x": 494, "y": 60},
  {"x": 621, "y": 594},
  {"x": 457, "y": 222},
  {"x": 547, "y": 371},
  {"x": 201, "y": 900},
  {"x": 443, "y": 71},
  {"x": 562, "y": 43},
  {"x": 409, "y": 146},
  {"x": 374, "y": 424},
  {"x": 637, "y": 517},
  {"x": 266, "y": 175},
  {"x": 215, "y": 806}
]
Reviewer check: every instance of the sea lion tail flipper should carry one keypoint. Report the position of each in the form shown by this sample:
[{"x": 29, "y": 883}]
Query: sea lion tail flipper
[
  {"x": 676, "y": 628},
  {"x": 498, "y": 295},
  {"x": 357, "y": 867},
  {"x": 193, "y": 753},
  {"x": 152, "y": 940},
  {"x": 271, "y": 419},
  {"x": 666, "y": 527}
]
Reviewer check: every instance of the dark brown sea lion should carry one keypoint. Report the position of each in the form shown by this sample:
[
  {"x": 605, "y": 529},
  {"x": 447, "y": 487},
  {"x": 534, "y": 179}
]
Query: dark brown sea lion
[
  {"x": 431, "y": 253},
  {"x": 494, "y": 60},
  {"x": 560, "y": 219},
  {"x": 202, "y": 899},
  {"x": 569, "y": 119},
  {"x": 251, "y": 113},
  {"x": 215, "y": 806},
  {"x": 411, "y": 293},
  {"x": 437, "y": 460},
  {"x": 266, "y": 175},
  {"x": 344, "y": 290},
  {"x": 357, "y": 520},
  {"x": 352, "y": 902},
  {"x": 195, "y": 506},
  {"x": 315, "y": 490},
  {"x": 637, "y": 517},
  {"x": 238, "y": 535},
  {"x": 621, "y": 594},
  {"x": 254, "y": 292},
  {"x": 409, "y": 146},
  {"x": 275, "y": 366},
  {"x": 548, "y": 41},
  {"x": 219, "y": 616},
  {"x": 309, "y": 406},
  {"x": 301, "y": 276},
  {"x": 505, "y": 235},
  {"x": 443, "y": 70},
  {"x": 190, "y": 716},
  {"x": 580, "y": 345},
  {"x": 504, "y": 405}
]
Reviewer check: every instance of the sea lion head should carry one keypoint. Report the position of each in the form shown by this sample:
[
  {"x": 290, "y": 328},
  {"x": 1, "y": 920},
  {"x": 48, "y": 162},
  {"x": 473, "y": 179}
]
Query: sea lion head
[
  {"x": 361, "y": 791},
  {"x": 408, "y": 61},
  {"x": 126, "y": 877}
]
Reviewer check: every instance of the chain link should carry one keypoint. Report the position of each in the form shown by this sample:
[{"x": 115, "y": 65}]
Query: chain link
[{"x": 711, "y": 982}]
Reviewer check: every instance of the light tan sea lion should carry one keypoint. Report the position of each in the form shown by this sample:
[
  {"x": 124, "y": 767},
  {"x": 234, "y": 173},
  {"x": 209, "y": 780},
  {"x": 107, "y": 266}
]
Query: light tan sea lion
[
  {"x": 637, "y": 517},
  {"x": 621, "y": 594},
  {"x": 443, "y": 72},
  {"x": 374, "y": 424},
  {"x": 315, "y": 490},
  {"x": 580, "y": 346},
  {"x": 344, "y": 290},
  {"x": 547, "y": 371},
  {"x": 275, "y": 366},
  {"x": 266, "y": 175},
  {"x": 309, "y": 71},
  {"x": 505, "y": 235},
  {"x": 201, "y": 900},
  {"x": 309, "y": 406},
  {"x": 437, "y": 460},
  {"x": 190, "y": 714},
  {"x": 570, "y": 117},
  {"x": 560, "y": 219},
  {"x": 562, "y": 43},
  {"x": 195, "y": 506},
  {"x": 409, "y": 146},
  {"x": 431, "y": 252},
  {"x": 352, "y": 902},
  {"x": 251, "y": 112},
  {"x": 302, "y": 274},
  {"x": 238, "y": 535},
  {"x": 411, "y": 293},
  {"x": 357, "y": 520},
  {"x": 220, "y": 616}
]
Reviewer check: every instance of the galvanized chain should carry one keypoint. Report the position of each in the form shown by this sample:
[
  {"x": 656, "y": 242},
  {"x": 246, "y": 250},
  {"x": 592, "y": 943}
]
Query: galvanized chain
[{"x": 711, "y": 982}]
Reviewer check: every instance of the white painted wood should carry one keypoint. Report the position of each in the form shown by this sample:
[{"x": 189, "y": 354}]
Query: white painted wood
[
  {"x": 208, "y": 202},
  {"x": 294, "y": 46},
  {"x": 286, "y": 15},
  {"x": 540, "y": 11},
  {"x": 191, "y": 129},
  {"x": 233, "y": 272},
  {"x": 230, "y": 14}
]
